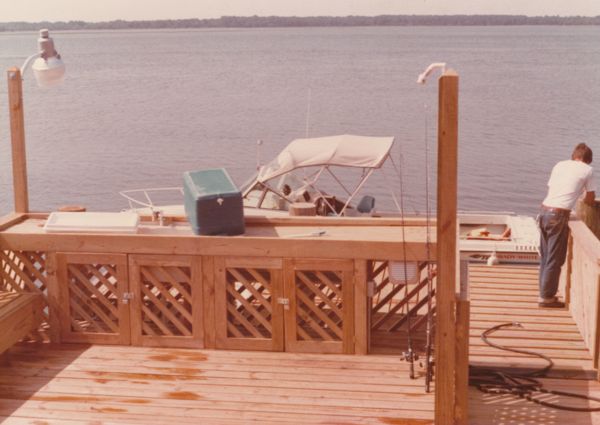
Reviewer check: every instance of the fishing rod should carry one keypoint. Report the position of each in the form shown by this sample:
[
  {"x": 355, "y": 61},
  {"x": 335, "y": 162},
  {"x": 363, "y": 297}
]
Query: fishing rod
[
  {"x": 429, "y": 360},
  {"x": 429, "y": 326},
  {"x": 409, "y": 355}
]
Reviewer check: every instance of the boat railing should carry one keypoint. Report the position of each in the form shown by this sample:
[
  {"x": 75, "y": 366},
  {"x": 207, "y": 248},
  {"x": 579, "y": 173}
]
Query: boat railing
[{"x": 133, "y": 196}]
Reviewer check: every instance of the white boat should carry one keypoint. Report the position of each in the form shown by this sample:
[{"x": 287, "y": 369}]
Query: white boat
[{"x": 296, "y": 175}]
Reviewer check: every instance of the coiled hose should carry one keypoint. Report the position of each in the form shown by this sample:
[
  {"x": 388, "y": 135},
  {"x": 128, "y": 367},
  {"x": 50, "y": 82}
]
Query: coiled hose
[{"x": 522, "y": 385}]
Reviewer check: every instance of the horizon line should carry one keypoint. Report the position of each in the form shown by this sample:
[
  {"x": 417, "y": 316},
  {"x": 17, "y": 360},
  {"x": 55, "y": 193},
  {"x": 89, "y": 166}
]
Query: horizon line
[{"x": 454, "y": 15}]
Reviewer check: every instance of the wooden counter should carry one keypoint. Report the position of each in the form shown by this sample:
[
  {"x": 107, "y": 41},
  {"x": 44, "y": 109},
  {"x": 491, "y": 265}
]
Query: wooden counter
[
  {"x": 295, "y": 284},
  {"x": 291, "y": 240}
]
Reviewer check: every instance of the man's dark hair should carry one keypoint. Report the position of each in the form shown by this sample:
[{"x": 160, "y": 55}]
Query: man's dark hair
[{"x": 583, "y": 153}]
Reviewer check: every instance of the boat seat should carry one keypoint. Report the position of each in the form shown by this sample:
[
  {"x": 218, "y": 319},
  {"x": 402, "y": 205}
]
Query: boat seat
[
  {"x": 20, "y": 314},
  {"x": 366, "y": 204}
]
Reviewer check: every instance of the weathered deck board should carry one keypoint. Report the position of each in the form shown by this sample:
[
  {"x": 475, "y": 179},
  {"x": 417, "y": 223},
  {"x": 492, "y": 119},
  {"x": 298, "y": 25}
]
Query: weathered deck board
[
  {"x": 502, "y": 294},
  {"x": 72, "y": 384}
]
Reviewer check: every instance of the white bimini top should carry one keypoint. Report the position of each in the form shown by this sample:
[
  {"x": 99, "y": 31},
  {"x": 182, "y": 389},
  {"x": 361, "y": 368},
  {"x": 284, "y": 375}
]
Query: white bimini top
[
  {"x": 343, "y": 150},
  {"x": 569, "y": 179}
]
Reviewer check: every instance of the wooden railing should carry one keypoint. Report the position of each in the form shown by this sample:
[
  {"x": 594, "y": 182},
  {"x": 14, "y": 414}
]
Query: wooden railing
[
  {"x": 590, "y": 215},
  {"x": 581, "y": 276}
]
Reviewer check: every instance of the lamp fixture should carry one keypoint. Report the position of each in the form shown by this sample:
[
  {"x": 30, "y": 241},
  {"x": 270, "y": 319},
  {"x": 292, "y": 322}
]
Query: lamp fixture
[
  {"x": 49, "y": 70},
  {"x": 48, "y": 67},
  {"x": 436, "y": 65}
]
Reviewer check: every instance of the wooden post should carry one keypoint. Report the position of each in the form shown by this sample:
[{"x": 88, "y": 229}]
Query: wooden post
[
  {"x": 461, "y": 385},
  {"x": 361, "y": 308},
  {"x": 17, "y": 133},
  {"x": 55, "y": 303},
  {"x": 568, "y": 269},
  {"x": 461, "y": 408},
  {"x": 590, "y": 215},
  {"x": 447, "y": 256}
]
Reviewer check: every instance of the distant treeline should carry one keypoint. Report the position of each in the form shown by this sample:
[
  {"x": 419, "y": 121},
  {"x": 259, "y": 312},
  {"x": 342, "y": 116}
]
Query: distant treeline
[{"x": 316, "y": 21}]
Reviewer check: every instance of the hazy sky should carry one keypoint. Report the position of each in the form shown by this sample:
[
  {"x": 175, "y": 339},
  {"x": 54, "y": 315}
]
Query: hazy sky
[{"x": 101, "y": 10}]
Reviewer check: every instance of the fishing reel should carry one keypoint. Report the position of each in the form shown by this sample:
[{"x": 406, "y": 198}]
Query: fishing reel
[{"x": 409, "y": 356}]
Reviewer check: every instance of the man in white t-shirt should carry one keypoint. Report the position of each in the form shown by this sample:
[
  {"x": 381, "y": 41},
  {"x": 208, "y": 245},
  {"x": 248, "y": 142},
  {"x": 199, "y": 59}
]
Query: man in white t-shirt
[{"x": 568, "y": 181}]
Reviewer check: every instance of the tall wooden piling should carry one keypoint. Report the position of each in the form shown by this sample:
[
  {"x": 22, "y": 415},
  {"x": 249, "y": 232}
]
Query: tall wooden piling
[
  {"x": 17, "y": 131},
  {"x": 447, "y": 253}
]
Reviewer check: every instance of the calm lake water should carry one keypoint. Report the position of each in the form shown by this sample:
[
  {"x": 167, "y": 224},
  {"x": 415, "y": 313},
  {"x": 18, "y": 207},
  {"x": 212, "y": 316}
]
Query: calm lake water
[{"x": 140, "y": 107}]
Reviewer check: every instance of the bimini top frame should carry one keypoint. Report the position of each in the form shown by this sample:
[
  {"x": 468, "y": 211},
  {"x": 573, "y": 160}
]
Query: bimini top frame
[
  {"x": 322, "y": 153},
  {"x": 343, "y": 150}
]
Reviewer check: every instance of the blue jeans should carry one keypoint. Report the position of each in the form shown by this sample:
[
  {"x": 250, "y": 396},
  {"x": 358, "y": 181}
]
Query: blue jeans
[{"x": 554, "y": 237}]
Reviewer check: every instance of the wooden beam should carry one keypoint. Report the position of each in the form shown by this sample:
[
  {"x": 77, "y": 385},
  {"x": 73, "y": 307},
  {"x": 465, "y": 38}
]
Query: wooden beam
[
  {"x": 461, "y": 409},
  {"x": 596, "y": 343},
  {"x": 208, "y": 307},
  {"x": 334, "y": 221},
  {"x": 568, "y": 270},
  {"x": 17, "y": 133},
  {"x": 361, "y": 308},
  {"x": 447, "y": 232},
  {"x": 215, "y": 245},
  {"x": 10, "y": 220},
  {"x": 55, "y": 303}
]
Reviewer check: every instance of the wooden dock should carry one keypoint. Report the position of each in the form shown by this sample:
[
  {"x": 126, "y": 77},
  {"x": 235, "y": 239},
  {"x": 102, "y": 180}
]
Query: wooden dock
[
  {"x": 142, "y": 299},
  {"x": 76, "y": 384},
  {"x": 134, "y": 383},
  {"x": 503, "y": 294}
]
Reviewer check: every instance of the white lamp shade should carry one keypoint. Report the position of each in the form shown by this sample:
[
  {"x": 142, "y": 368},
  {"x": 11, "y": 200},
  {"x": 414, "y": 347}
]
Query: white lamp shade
[{"x": 48, "y": 72}]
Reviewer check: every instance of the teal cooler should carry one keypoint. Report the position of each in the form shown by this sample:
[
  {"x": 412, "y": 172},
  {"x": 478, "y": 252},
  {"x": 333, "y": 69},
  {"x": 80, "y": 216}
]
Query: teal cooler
[{"x": 213, "y": 204}]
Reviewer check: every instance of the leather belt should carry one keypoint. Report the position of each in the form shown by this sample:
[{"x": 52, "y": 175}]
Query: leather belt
[{"x": 556, "y": 210}]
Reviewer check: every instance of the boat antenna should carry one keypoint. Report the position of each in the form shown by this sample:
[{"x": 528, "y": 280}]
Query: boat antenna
[
  {"x": 308, "y": 112},
  {"x": 259, "y": 143}
]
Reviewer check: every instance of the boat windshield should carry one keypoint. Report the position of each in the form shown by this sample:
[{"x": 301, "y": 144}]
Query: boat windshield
[{"x": 288, "y": 188}]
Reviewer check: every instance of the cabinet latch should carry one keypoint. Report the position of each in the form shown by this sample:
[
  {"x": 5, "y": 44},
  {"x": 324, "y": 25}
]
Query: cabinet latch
[
  {"x": 126, "y": 297},
  {"x": 285, "y": 302}
]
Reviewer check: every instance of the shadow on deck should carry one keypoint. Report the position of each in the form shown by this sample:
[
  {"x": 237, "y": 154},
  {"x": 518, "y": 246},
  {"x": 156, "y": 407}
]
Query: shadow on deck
[{"x": 503, "y": 294}]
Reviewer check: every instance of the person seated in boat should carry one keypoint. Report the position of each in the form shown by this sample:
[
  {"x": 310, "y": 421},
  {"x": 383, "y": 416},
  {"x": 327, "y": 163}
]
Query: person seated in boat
[
  {"x": 283, "y": 204},
  {"x": 289, "y": 196},
  {"x": 484, "y": 234}
]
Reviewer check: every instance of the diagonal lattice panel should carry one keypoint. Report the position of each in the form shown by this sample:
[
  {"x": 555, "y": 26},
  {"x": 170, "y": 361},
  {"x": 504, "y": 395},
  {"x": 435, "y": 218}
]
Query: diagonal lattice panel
[
  {"x": 394, "y": 307},
  {"x": 93, "y": 298},
  {"x": 319, "y": 305},
  {"x": 166, "y": 294},
  {"x": 249, "y": 303},
  {"x": 24, "y": 271}
]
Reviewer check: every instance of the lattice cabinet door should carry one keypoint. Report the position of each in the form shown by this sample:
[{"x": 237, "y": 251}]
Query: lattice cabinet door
[
  {"x": 166, "y": 300},
  {"x": 92, "y": 292},
  {"x": 25, "y": 271},
  {"x": 248, "y": 309},
  {"x": 320, "y": 317}
]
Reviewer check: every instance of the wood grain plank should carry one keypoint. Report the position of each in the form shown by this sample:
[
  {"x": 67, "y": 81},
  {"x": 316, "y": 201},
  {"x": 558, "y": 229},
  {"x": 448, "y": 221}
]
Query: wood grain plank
[{"x": 118, "y": 384}]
